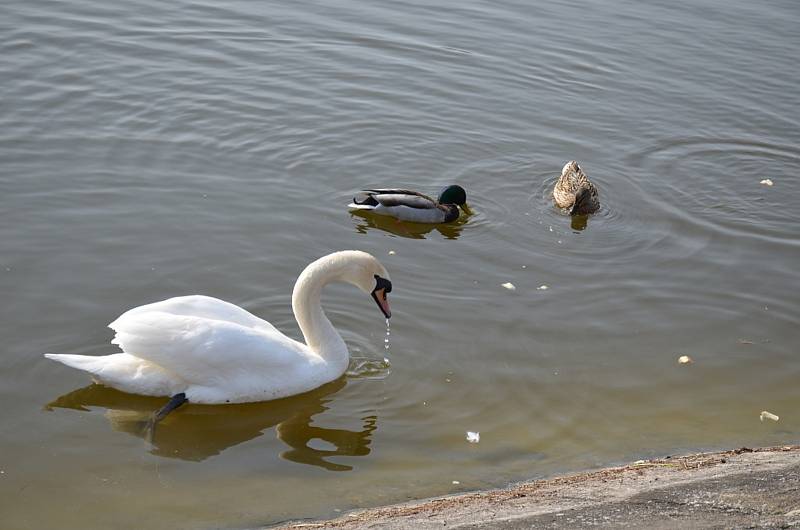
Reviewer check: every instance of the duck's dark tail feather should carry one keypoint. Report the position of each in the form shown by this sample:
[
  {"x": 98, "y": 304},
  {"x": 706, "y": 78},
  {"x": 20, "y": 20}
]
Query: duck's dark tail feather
[{"x": 364, "y": 201}]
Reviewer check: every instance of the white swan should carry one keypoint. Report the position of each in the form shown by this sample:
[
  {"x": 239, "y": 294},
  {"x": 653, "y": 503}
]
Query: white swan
[{"x": 203, "y": 350}]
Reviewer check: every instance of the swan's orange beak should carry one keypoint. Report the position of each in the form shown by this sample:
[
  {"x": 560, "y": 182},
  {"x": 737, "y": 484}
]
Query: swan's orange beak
[
  {"x": 380, "y": 297},
  {"x": 382, "y": 288}
]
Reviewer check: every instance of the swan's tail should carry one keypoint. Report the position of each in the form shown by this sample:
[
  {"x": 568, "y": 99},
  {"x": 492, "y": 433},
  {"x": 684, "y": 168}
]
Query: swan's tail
[
  {"x": 124, "y": 372},
  {"x": 87, "y": 363}
]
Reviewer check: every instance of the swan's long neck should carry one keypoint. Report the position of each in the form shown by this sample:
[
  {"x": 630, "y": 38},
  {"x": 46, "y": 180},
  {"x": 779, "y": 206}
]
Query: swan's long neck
[{"x": 319, "y": 333}]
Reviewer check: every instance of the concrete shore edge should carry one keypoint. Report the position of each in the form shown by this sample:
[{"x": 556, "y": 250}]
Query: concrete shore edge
[{"x": 740, "y": 488}]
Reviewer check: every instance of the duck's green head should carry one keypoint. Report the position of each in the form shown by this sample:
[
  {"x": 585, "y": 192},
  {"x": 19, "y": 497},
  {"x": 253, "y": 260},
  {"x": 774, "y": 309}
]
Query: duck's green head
[{"x": 454, "y": 194}]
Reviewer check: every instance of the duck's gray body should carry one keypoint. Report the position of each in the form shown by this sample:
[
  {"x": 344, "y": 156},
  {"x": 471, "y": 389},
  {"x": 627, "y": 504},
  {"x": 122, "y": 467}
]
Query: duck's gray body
[
  {"x": 406, "y": 205},
  {"x": 575, "y": 192}
]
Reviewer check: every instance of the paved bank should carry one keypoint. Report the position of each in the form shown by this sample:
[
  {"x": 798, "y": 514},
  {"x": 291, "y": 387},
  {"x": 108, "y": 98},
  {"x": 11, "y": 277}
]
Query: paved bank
[{"x": 742, "y": 488}]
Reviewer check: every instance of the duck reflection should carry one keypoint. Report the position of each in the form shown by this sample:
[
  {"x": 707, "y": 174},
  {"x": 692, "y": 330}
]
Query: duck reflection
[
  {"x": 367, "y": 221},
  {"x": 197, "y": 432},
  {"x": 579, "y": 222}
]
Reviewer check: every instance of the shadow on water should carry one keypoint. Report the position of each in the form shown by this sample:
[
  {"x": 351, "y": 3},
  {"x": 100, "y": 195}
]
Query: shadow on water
[
  {"x": 366, "y": 221},
  {"x": 197, "y": 432}
]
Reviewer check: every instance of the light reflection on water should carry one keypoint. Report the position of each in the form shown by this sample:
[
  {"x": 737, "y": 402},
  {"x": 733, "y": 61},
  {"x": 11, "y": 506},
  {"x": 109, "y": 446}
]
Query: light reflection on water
[{"x": 151, "y": 150}]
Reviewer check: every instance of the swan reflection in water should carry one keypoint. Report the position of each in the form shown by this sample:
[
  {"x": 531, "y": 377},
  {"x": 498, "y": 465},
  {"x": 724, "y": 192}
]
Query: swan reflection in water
[
  {"x": 197, "y": 432},
  {"x": 366, "y": 221}
]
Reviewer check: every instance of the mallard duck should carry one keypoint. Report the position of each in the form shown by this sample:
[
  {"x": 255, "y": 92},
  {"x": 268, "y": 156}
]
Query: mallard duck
[
  {"x": 574, "y": 191},
  {"x": 408, "y": 205},
  {"x": 203, "y": 350}
]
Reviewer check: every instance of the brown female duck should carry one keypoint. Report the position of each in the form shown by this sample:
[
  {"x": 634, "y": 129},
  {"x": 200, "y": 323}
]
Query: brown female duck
[{"x": 575, "y": 192}]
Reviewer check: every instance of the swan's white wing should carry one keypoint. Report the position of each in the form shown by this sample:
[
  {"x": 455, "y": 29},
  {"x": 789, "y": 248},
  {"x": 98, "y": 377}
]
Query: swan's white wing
[
  {"x": 203, "y": 307},
  {"x": 208, "y": 352}
]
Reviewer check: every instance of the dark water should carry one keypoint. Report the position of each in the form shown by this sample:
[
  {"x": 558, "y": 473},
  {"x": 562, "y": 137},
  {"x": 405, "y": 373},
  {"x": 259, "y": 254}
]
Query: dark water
[{"x": 151, "y": 149}]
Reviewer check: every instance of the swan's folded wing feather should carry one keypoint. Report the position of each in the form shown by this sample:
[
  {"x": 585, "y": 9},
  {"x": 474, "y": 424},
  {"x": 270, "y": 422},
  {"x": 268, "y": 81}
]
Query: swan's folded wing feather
[
  {"x": 203, "y": 307},
  {"x": 205, "y": 351}
]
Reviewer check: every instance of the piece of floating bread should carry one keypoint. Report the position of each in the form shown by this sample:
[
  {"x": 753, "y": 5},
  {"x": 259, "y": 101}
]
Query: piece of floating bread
[
  {"x": 473, "y": 437},
  {"x": 510, "y": 286},
  {"x": 766, "y": 182},
  {"x": 685, "y": 359},
  {"x": 768, "y": 415}
]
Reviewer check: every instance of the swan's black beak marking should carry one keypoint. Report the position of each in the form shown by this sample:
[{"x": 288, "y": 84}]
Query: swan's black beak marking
[{"x": 382, "y": 288}]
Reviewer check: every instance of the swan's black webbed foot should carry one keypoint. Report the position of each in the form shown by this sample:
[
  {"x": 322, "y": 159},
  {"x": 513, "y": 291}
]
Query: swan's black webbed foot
[
  {"x": 175, "y": 401},
  {"x": 150, "y": 427}
]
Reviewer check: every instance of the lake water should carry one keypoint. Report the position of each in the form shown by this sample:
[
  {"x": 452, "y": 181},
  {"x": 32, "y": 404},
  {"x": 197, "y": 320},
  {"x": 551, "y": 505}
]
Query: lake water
[{"x": 152, "y": 149}]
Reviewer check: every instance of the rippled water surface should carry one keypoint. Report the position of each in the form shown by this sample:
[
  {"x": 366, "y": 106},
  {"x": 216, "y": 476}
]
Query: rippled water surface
[{"x": 152, "y": 149}]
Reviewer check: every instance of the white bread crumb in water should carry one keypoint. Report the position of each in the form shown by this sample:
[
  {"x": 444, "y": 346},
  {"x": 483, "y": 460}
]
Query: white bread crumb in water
[{"x": 768, "y": 415}]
